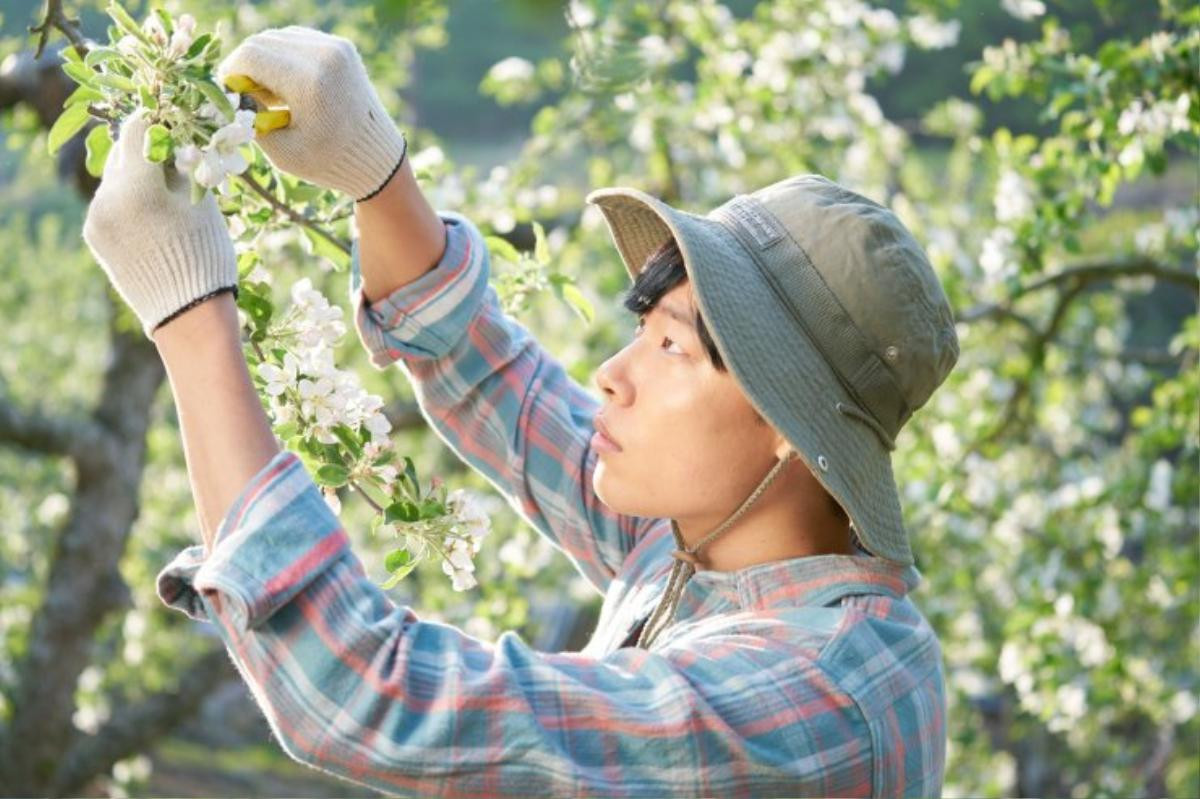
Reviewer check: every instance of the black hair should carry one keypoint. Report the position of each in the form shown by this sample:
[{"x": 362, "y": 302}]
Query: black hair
[{"x": 662, "y": 271}]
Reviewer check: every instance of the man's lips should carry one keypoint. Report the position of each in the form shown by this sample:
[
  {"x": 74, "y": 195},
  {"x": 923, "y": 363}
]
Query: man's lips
[{"x": 602, "y": 428}]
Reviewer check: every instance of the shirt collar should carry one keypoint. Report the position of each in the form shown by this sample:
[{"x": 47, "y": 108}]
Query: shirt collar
[{"x": 812, "y": 580}]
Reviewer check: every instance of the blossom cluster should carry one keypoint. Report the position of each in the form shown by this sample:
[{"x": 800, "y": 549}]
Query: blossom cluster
[
  {"x": 212, "y": 165},
  {"x": 165, "y": 67}
]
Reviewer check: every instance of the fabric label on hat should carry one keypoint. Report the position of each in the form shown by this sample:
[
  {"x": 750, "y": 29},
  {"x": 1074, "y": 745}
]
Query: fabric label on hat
[{"x": 755, "y": 220}]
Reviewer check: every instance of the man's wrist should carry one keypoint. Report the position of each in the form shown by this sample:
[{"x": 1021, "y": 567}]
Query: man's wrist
[{"x": 214, "y": 317}]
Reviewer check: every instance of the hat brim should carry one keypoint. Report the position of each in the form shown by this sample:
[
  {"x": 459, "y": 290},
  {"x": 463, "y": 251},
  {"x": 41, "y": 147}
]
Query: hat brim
[{"x": 795, "y": 389}]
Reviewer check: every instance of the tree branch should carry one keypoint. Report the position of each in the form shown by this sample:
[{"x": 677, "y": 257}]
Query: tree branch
[
  {"x": 81, "y": 439},
  {"x": 136, "y": 728},
  {"x": 1084, "y": 274},
  {"x": 56, "y": 18},
  {"x": 1037, "y": 356}
]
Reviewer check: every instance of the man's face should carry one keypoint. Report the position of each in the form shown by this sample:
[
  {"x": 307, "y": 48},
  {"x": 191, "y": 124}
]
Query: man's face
[{"x": 691, "y": 444}]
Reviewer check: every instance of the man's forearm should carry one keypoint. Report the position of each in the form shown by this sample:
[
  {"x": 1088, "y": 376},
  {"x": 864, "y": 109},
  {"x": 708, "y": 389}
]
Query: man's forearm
[
  {"x": 227, "y": 437},
  {"x": 400, "y": 235}
]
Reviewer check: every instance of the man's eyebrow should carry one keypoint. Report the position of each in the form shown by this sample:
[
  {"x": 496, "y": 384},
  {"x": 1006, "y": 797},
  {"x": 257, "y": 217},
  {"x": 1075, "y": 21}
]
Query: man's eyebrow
[{"x": 679, "y": 315}]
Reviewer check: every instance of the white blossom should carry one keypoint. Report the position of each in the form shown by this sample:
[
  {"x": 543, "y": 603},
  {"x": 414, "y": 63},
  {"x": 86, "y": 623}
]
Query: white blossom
[
  {"x": 153, "y": 28},
  {"x": 1157, "y": 120},
  {"x": 1013, "y": 197},
  {"x": 280, "y": 379},
  {"x": 181, "y": 39},
  {"x": 655, "y": 50},
  {"x": 581, "y": 14},
  {"x": 931, "y": 33},
  {"x": 1024, "y": 9},
  {"x": 995, "y": 257},
  {"x": 128, "y": 44},
  {"x": 1158, "y": 492},
  {"x": 469, "y": 511},
  {"x": 1183, "y": 707},
  {"x": 1159, "y": 43},
  {"x": 222, "y": 156},
  {"x": 513, "y": 68},
  {"x": 427, "y": 158}
]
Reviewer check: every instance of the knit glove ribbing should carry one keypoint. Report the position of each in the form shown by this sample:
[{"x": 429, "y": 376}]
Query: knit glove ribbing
[
  {"x": 160, "y": 252},
  {"x": 340, "y": 135}
]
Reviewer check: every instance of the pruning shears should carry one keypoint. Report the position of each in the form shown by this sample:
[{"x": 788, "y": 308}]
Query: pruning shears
[{"x": 259, "y": 97}]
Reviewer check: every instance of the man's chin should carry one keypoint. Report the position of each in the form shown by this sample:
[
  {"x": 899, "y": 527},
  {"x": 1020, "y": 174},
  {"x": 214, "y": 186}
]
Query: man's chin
[{"x": 611, "y": 491}]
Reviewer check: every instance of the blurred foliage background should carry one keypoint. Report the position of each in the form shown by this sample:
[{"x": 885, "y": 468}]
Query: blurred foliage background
[{"x": 1046, "y": 155}]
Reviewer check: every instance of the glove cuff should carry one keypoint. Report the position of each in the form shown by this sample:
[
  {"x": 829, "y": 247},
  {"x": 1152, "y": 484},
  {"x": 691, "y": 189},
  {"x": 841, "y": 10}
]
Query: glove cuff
[
  {"x": 175, "y": 273},
  {"x": 373, "y": 155}
]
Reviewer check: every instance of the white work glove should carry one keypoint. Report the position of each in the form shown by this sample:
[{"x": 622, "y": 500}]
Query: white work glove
[
  {"x": 340, "y": 135},
  {"x": 162, "y": 254}
]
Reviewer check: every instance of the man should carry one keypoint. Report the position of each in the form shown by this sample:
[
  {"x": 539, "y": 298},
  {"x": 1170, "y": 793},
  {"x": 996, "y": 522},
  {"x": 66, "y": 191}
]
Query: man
[{"x": 732, "y": 496}]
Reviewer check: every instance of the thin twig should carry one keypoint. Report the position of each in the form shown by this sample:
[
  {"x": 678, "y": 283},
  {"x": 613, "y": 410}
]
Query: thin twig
[
  {"x": 56, "y": 18},
  {"x": 291, "y": 213},
  {"x": 378, "y": 508}
]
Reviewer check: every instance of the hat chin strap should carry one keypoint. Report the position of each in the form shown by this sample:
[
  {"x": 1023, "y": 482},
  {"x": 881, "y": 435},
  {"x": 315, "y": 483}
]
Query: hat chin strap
[{"x": 686, "y": 560}]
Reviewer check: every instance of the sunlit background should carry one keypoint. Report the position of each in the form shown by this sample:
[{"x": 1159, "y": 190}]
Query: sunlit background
[{"x": 1044, "y": 153}]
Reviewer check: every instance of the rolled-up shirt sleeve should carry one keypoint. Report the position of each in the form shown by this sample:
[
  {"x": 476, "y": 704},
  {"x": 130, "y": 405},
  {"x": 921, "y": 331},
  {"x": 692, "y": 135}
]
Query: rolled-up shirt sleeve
[
  {"x": 276, "y": 536},
  {"x": 428, "y": 316},
  {"x": 361, "y": 688}
]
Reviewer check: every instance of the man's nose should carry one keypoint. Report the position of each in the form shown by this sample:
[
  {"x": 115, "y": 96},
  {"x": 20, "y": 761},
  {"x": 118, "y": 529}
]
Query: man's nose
[{"x": 609, "y": 379}]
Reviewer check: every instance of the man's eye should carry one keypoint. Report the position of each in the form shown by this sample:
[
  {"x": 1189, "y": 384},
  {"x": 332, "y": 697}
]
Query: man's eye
[{"x": 641, "y": 324}]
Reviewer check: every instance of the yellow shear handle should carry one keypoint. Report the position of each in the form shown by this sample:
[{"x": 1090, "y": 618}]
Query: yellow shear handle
[{"x": 264, "y": 121}]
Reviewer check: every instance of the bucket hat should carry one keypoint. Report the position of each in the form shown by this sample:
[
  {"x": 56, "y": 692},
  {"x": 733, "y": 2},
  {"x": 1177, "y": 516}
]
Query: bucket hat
[{"x": 828, "y": 315}]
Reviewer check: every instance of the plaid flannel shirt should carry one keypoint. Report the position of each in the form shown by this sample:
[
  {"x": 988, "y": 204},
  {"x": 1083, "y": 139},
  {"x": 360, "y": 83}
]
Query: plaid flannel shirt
[{"x": 808, "y": 676}]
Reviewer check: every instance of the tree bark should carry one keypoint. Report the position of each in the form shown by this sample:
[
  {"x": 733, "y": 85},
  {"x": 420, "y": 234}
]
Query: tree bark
[{"x": 41, "y": 753}]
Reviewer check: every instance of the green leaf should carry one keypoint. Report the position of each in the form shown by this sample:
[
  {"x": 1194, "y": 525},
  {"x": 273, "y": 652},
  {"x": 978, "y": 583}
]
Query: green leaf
[
  {"x": 125, "y": 22},
  {"x": 410, "y": 471},
  {"x": 258, "y": 307},
  {"x": 98, "y": 143},
  {"x": 399, "y": 575},
  {"x": 148, "y": 99},
  {"x": 198, "y": 45},
  {"x": 79, "y": 73},
  {"x": 215, "y": 96},
  {"x": 83, "y": 94},
  {"x": 402, "y": 511},
  {"x": 286, "y": 430},
  {"x": 99, "y": 55},
  {"x": 246, "y": 263},
  {"x": 541, "y": 250},
  {"x": 69, "y": 122},
  {"x": 330, "y": 474},
  {"x": 349, "y": 439},
  {"x": 118, "y": 82},
  {"x": 578, "y": 302},
  {"x": 982, "y": 77},
  {"x": 71, "y": 55},
  {"x": 326, "y": 249},
  {"x": 432, "y": 509},
  {"x": 396, "y": 559},
  {"x": 165, "y": 17},
  {"x": 157, "y": 145},
  {"x": 502, "y": 249}
]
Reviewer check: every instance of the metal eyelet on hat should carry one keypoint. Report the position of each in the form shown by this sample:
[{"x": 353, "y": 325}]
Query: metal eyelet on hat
[
  {"x": 823, "y": 463},
  {"x": 891, "y": 353}
]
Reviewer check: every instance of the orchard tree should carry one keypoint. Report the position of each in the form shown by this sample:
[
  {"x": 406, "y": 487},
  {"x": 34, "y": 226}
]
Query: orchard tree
[{"x": 1051, "y": 485}]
